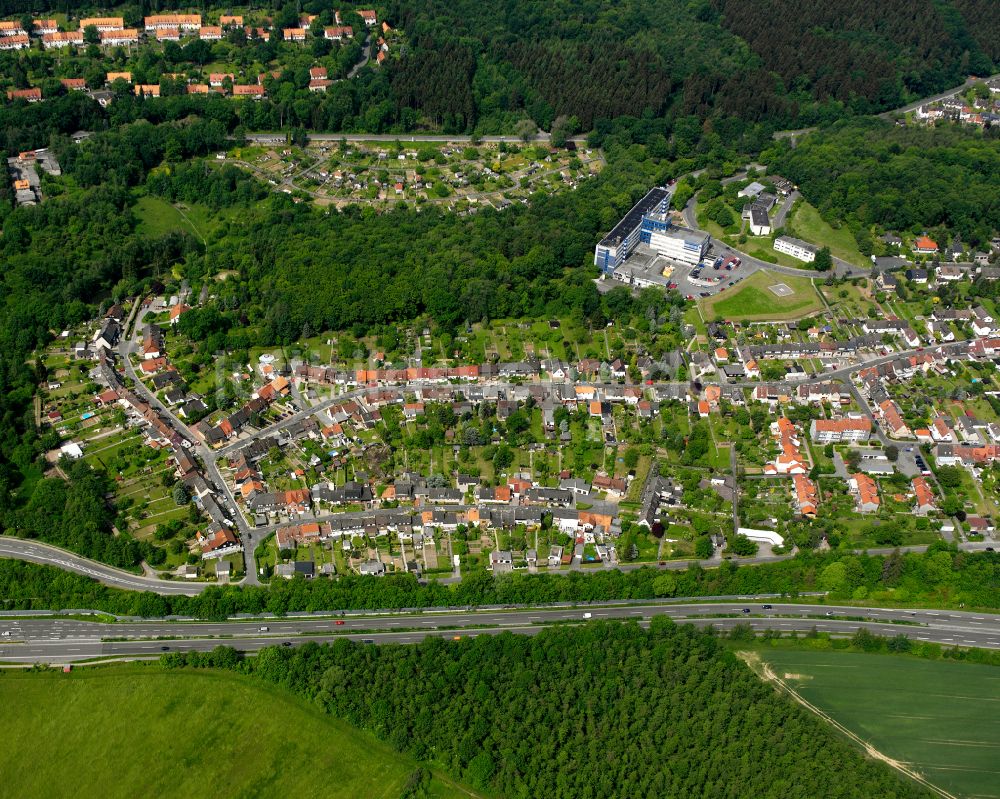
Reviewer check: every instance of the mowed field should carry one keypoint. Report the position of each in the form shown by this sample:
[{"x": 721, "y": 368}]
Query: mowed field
[
  {"x": 135, "y": 730},
  {"x": 940, "y": 718},
  {"x": 753, "y": 299}
]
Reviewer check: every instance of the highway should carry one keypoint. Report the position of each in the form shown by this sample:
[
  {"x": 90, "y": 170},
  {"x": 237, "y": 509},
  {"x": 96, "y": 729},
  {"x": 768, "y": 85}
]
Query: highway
[{"x": 55, "y": 640}]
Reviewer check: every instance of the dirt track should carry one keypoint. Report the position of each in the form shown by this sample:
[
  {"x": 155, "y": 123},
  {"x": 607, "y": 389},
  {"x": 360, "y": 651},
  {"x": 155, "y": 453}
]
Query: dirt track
[{"x": 764, "y": 671}]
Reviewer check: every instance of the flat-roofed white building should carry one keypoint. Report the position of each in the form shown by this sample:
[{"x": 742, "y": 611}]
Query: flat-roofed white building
[
  {"x": 796, "y": 248},
  {"x": 680, "y": 244}
]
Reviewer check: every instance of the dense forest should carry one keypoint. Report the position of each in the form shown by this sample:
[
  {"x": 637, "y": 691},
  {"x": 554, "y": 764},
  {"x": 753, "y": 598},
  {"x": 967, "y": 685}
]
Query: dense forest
[
  {"x": 601, "y": 710},
  {"x": 872, "y": 173},
  {"x": 485, "y": 67},
  {"x": 939, "y": 576},
  {"x": 865, "y": 56}
]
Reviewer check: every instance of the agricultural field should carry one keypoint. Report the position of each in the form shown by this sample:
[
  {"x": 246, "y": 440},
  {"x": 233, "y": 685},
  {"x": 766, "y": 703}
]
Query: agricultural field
[
  {"x": 755, "y": 299},
  {"x": 253, "y": 739},
  {"x": 937, "y": 718}
]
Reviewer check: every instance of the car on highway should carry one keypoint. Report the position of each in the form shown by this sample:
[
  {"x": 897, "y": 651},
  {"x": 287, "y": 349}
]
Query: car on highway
[
  {"x": 456, "y": 638},
  {"x": 5, "y": 634},
  {"x": 262, "y": 630},
  {"x": 339, "y": 622},
  {"x": 746, "y": 610},
  {"x": 368, "y": 641},
  {"x": 164, "y": 648},
  {"x": 588, "y": 615},
  {"x": 988, "y": 549},
  {"x": 767, "y": 607},
  {"x": 829, "y": 613},
  {"x": 286, "y": 643}
]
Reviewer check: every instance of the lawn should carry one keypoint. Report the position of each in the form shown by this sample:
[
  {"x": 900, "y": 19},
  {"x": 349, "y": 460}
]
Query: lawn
[
  {"x": 140, "y": 730},
  {"x": 157, "y": 217},
  {"x": 753, "y": 299},
  {"x": 938, "y": 717},
  {"x": 806, "y": 223}
]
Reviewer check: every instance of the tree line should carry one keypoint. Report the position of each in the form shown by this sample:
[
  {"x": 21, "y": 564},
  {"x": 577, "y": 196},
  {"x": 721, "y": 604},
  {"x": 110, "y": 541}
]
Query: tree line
[{"x": 941, "y": 575}]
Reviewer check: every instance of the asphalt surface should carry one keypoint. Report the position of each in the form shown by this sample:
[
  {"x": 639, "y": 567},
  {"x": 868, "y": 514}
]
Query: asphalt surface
[
  {"x": 935, "y": 98},
  {"x": 36, "y": 552},
  {"x": 31, "y": 640}
]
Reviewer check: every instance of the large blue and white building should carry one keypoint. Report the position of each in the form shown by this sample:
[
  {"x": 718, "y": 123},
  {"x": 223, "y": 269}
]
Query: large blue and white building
[
  {"x": 633, "y": 228},
  {"x": 649, "y": 222}
]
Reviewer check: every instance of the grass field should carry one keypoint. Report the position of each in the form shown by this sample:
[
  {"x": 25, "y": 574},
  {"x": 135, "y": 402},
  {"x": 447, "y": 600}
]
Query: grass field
[
  {"x": 753, "y": 300},
  {"x": 937, "y": 717},
  {"x": 806, "y": 223},
  {"x": 157, "y": 217},
  {"x": 144, "y": 731}
]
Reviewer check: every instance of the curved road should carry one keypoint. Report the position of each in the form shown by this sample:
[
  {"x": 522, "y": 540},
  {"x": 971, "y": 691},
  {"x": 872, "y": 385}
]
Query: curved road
[
  {"x": 65, "y": 640},
  {"x": 37, "y": 552}
]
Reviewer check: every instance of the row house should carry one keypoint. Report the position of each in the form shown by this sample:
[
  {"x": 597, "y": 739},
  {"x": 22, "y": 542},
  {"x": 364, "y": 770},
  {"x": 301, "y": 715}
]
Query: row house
[
  {"x": 103, "y": 24},
  {"x": 252, "y": 92},
  {"x": 835, "y": 431},
  {"x": 185, "y": 22},
  {"x": 865, "y": 491},
  {"x": 119, "y": 37},
  {"x": 790, "y": 459},
  {"x": 296, "y": 535},
  {"x": 806, "y": 496},
  {"x": 218, "y": 541},
  {"x": 892, "y": 418},
  {"x": 152, "y": 342},
  {"x": 923, "y": 496},
  {"x": 16, "y": 41},
  {"x": 946, "y": 454},
  {"x": 32, "y": 95},
  {"x": 62, "y": 39},
  {"x": 831, "y": 392}
]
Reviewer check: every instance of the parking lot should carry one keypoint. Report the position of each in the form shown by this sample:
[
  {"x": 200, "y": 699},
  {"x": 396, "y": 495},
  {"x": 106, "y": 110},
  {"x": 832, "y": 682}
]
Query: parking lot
[{"x": 645, "y": 267}]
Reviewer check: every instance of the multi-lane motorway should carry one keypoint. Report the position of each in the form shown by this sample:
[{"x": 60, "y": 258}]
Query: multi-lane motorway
[{"x": 65, "y": 640}]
